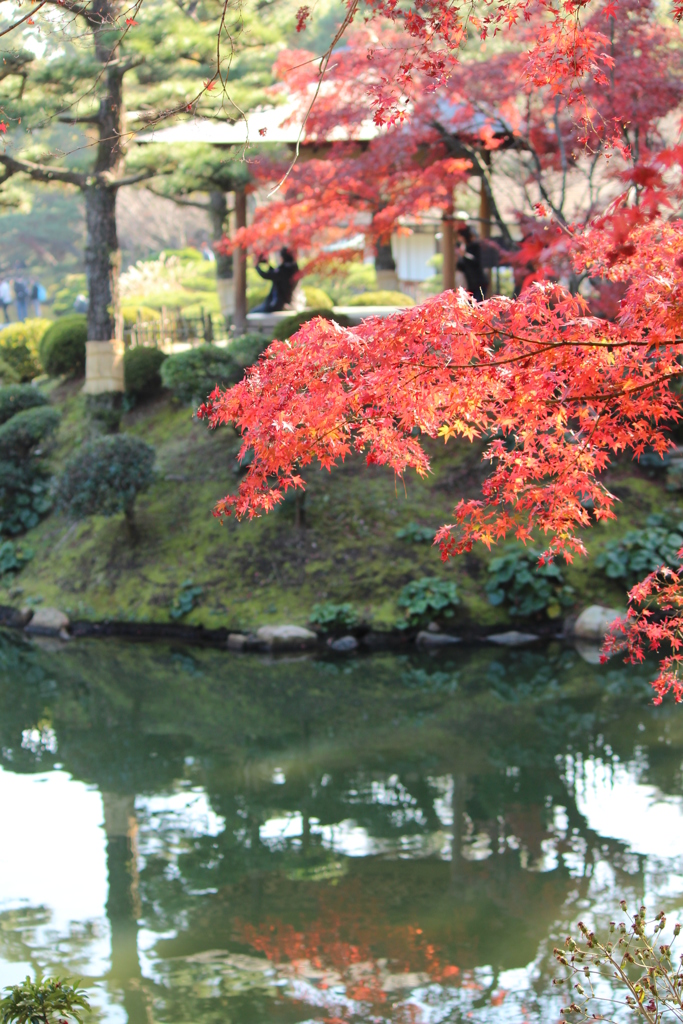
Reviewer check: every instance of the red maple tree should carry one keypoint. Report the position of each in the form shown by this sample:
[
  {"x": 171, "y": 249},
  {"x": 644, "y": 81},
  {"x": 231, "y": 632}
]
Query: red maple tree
[{"x": 556, "y": 392}]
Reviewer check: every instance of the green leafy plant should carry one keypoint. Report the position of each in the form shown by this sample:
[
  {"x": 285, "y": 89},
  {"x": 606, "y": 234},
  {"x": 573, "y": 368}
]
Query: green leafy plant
[
  {"x": 286, "y": 328},
  {"x": 141, "y": 370},
  {"x": 21, "y": 434},
  {"x": 636, "y": 960},
  {"x": 193, "y": 375},
  {"x": 517, "y": 580},
  {"x": 642, "y": 551},
  {"x": 25, "y": 495},
  {"x": 246, "y": 349},
  {"x": 13, "y": 558},
  {"x": 416, "y": 534},
  {"x": 62, "y": 348},
  {"x": 105, "y": 476},
  {"x": 17, "y": 397},
  {"x": 186, "y": 599},
  {"x": 333, "y": 617},
  {"x": 381, "y": 298},
  {"x": 317, "y": 298},
  {"x": 42, "y": 1002},
  {"x": 428, "y": 598},
  {"x": 20, "y": 346}
]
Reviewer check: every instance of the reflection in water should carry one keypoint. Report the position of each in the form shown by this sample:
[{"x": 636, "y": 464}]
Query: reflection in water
[{"x": 393, "y": 839}]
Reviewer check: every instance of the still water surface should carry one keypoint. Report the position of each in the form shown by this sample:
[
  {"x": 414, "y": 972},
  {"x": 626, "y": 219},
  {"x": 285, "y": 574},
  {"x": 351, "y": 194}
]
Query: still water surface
[{"x": 202, "y": 837}]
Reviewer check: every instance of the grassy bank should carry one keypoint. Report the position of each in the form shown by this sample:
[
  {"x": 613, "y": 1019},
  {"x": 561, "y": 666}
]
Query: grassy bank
[{"x": 273, "y": 569}]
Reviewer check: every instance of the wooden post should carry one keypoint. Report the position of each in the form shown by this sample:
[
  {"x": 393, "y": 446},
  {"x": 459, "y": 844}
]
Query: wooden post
[
  {"x": 448, "y": 246},
  {"x": 240, "y": 265}
]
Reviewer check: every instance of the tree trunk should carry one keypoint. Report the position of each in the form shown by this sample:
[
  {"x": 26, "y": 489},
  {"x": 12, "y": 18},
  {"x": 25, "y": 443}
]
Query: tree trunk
[
  {"x": 102, "y": 255},
  {"x": 102, "y": 261},
  {"x": 240, "y": 264},
  {"x": 218, "y": 212}
]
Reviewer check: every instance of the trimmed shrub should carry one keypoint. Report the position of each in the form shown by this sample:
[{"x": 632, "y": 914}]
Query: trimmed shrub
[
  {"x": 141, "y": 366},
  {"x": 130, "y": 314},
  {"x": 316, "y": 298},
  {"x": 527, "y": 588},
  {"x": 381, "y": 299},
  {"x": 21, "y": 434},
  {"x": 246, "y": 349},
  {"x": 24, "y": 495},
  {"x": 20, "y": 346},
  {"x": 17, "y": 397},
  {"x": 286, "y": 328},
  {"x": 193, "y": 375},
  {"x": 105, "y": 476},
  {"x": 62, "y": 349},
  {"x": 8, "y": 375}
]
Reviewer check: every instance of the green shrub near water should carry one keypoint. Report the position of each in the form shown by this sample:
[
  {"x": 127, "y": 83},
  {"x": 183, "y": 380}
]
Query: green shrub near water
[
  {"x": 62, "y": 349},
  {"x": 286, "y": 328},
  {"x": 527, "y": 588},
  {"x": 426, "y": 599},
  {"x": 105, "y": 476},
  {"x": 17, "y": 397},
  {"x": 20, "y": 346},
  {"x": 141, "y": 370},
  {"x": 642, "y": 551},
  {"x": 24, "y": 480},
  {"x": 381, "y": 298},
  {"x": 332, "y": 617}
]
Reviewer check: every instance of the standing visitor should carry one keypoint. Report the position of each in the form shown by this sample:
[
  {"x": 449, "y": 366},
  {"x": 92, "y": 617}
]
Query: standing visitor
[
  {"x": 468, "y": 250},
  {"x": 283, "y": 278},
  {"x": 21, "y": 297},
  {"x": 38, "y": 295},
  {"x": 5, "y": 298}
]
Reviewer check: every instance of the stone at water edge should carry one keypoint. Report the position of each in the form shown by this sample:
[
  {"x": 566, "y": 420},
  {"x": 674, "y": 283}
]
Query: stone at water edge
[
  {"x": 594, "y": 622},
  {"x": 343, "y": 645},
  {"x": 236, "y": 641},
  {"x": 48, "y": 622},
  {"x": 427, "y": 638},
  {"x": 513, "y": 638},
  {"x": 286, "y": 636}
]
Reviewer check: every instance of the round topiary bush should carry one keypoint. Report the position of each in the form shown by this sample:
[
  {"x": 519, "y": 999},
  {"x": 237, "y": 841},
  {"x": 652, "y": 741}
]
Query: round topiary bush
[
  {"x": 382, "y": 298},
  {"x": 286, "y": 328},
  {"x": 316, "y": 298},
  {"x": 246, "y": 349},
  {"x": 193, "y": 375},
  {"x": 20, "y": 346},
  {"x": 141, "y": 366},
  {"x": 105, "y": 476},
  {"x": 25, "y": 430},
  {"x": 17, "y": 397},
  {"x": 62, "y": 349}
]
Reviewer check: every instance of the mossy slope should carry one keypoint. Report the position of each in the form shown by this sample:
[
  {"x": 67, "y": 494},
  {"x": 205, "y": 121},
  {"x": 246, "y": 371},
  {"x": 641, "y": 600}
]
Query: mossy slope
[{"x": 272, "y": 569}]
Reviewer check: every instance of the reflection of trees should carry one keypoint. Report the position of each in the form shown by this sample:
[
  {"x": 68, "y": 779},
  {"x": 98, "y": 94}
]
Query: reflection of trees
[{"x": 430, "y": 753}]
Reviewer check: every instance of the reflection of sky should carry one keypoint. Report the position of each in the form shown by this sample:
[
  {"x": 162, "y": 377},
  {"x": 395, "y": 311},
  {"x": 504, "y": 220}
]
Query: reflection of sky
[{"x": 59, "y": 864}]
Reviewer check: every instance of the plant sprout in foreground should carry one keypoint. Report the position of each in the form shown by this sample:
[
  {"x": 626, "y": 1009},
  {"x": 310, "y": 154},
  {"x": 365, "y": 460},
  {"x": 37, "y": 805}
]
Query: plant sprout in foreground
[
  {"x": 46, "y": 1002},
  {"x": 638, "y": 958}
]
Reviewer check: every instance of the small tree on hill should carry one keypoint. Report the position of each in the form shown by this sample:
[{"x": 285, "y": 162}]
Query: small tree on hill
[{"x": 105, "y": 477}]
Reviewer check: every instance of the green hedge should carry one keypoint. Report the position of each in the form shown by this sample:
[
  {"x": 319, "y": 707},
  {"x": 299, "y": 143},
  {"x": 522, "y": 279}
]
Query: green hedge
[
  {"x": 141, "y": 370},
  {"x": 193, "y": 375},
  {"x": 286, "y": 328},
  {"x": 17, "y": 397},
  {"x": 25, "y": 430},
  {"x": 62, "y": 349}
]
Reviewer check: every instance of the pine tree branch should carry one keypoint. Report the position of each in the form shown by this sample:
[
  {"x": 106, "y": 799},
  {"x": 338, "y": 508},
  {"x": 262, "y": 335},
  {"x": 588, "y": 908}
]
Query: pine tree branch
[{"x": 42, "y": 172}]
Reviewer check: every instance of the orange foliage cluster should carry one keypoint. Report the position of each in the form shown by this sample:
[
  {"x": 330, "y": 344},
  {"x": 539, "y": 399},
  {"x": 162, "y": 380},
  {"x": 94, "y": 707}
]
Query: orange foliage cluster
[{"x": 554, "y": 391}]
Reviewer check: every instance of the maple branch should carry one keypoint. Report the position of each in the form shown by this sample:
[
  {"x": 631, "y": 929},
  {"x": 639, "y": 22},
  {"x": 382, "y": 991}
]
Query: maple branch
[
  {"x": 25, "y": 18},
  {"x": 130, "y": 179}
]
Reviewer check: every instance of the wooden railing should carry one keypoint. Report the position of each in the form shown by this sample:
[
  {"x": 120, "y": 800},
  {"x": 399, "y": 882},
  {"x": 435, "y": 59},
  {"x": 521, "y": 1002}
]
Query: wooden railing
[{"x": 172, "y": 328}]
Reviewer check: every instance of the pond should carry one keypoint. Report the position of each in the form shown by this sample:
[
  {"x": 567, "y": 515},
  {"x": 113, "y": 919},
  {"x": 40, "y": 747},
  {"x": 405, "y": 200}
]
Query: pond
[{"x": 206, "y": 837}]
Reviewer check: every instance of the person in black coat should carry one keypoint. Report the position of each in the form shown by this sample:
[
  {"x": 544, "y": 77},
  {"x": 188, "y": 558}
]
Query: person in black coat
[
  {"x": 470, "y": 262},
  {"x": 284, "y": 282}
]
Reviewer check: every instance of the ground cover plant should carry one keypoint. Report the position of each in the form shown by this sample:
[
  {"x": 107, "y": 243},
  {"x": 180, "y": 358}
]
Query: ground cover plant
[
  {"x": 528, "y": 588},
  {"x": 642, "y": 551}
]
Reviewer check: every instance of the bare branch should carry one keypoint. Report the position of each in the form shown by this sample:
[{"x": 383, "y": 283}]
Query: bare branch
[
  {"x": 129, "y": 179},
  {"x": 42, "y": 172},
  {"x": 25, "y": 18}
]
